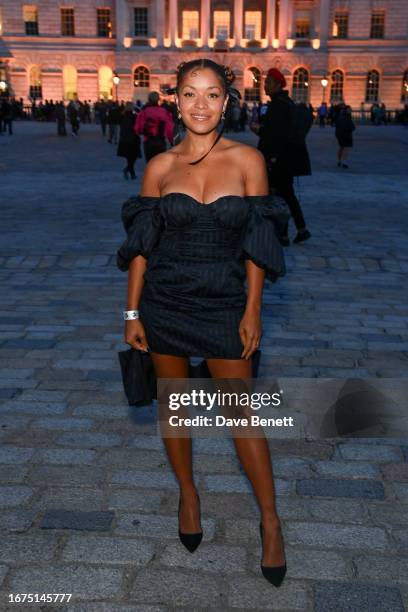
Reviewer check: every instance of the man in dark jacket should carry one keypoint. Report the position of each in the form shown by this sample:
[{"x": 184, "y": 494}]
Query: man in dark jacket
[{"x": 282, "y": 133}]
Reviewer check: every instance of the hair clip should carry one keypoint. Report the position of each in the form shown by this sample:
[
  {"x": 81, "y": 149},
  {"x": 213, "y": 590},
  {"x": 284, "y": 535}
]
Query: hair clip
[{"x": 179, "y": 67}]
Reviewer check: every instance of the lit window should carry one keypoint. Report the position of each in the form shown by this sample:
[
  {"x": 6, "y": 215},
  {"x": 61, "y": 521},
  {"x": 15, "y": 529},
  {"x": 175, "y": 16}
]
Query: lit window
[
  {"x": 340, "y": 25},
  {"x": 252, "y": 84},
  {"x": 377, "y": 24},
  {"x": 303, "y": 21},
  {"x": 141, "y": 77},
  {"x": 141, "y": 21},
  {"x": 336, "y": 87},
  {"x": 253, "y": 23},
  {"x": 190, "y": 25},
  {"x": 35, "y": 83},
  {"x": 372, "y": 86},
  {"x": 302, "y": 29},
  {"x": 67, "y": 22},
  {"x": 70, "y": 80},
  {"x": 300, "y": 87},
  {"x": 104, "y": 23},
  {"x": 221, "y": 25},
  {"x": 30, "y": 16}
]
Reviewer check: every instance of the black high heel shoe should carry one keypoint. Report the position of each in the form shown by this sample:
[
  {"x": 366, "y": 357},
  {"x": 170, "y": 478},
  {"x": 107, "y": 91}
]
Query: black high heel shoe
[
  {"x": 190, "y": 540},
  {"x": 274, "y": 575}
]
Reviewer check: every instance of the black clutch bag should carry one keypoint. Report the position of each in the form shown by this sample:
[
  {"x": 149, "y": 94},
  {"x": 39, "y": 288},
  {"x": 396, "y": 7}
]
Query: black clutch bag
[
  {"x": 139, "y": 379},
  {"x": 138, "y": 376}
]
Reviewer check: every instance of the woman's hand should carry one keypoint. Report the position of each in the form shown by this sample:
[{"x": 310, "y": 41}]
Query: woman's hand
[
  {"x": 250, "y": 331},
  {"x": 135, "y": 335}
]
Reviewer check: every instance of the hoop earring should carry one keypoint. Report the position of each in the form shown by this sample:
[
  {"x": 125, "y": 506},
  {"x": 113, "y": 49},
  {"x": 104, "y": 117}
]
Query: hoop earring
[
  {"x": 223, "y": 116},
  {"x": 178, "y": 115}
]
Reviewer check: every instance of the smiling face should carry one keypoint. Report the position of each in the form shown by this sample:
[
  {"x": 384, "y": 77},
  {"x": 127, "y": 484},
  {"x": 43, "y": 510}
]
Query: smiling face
[{"x": 201, "y": 99}]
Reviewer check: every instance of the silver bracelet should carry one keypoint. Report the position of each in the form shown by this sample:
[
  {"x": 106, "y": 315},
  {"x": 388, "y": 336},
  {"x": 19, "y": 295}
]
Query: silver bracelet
[{"x": 129, "y": 315}]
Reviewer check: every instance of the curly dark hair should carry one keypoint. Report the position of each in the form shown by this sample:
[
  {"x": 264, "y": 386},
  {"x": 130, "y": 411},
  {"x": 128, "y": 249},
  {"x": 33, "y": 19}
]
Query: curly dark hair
[{"x": 224, "y": 73}]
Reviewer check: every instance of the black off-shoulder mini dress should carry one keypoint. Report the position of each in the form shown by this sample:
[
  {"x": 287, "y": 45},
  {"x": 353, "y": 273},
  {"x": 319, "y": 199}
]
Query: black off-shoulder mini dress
[{"x": 194, "y": 291}]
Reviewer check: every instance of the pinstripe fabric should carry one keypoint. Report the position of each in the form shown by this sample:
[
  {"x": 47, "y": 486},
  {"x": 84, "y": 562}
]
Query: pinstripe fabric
[{"x": 194, "y": 292}]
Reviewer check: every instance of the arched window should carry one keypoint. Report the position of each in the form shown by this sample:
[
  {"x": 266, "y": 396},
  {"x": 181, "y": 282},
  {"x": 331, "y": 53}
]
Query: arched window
[
  {"x": 70, "y": 82},
  {"x": 336, "y": 87},
  {"x": 105, "y": 82},
  {"x": 404, "y": 91},
  {"x": 300, "y": 87},
  {"x": 372, "y": 86},
  {"x": 35, "y": 83},
  {"x": 141, "y": 77},
  {"x": 252, "y": 84}
]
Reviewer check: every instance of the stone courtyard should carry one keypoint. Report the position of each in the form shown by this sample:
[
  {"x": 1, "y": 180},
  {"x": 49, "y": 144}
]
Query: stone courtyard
[{"x": 88, "y": 502}]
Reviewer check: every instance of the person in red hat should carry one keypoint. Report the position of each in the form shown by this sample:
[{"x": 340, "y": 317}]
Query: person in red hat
[{"x": 282, "y": 133}]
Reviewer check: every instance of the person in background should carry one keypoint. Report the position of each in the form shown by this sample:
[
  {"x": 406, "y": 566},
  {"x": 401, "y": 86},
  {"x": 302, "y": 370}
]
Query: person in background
[
  {"x": 129, "y": 142},
  {"x": 344, "y": 134},
  {"x": 243, "y": 119},
  {"x": 102, "y": 110},
  {"x": 156, "y": 125},
  {"x": 6, "y": 114},
  {"x": 235, "y": 116},
  {"x": 61, "y": 119},
  {"x": 73, "y": 116},
  {"x": 383, "y": 114},
  {"x": 113, "y": 119},
  {"x": 282, "y": 132},
  {"x": 322, "y": 114}
]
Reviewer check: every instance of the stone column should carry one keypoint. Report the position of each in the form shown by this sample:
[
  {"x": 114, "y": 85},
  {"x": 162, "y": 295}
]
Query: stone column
[
  {"x": 324, "y": 22},
  {"x": 238, "y": 22},
  {"x": 205, "y": 22},
  {"x": 270, "y": 22},
  {"x": 173, "y": 22},
  {"x": 283, "y": 22},
  {"x": 160, "y": 22},
  {"x": 122, "y": 25}
]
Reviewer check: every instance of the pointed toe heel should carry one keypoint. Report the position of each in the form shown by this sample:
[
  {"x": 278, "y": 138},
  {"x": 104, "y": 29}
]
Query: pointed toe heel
[
  {"x": 190, "y": 540},
  {"x": 274, "y": 575}
]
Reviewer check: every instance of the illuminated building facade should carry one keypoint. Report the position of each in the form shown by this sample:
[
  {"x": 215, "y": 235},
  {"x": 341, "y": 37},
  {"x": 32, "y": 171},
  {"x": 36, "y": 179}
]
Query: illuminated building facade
[{"x": 53, "y": 49}]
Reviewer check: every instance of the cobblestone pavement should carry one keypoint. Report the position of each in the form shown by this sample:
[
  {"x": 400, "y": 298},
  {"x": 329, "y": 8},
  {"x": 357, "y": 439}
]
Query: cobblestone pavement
[{"x": 88, "y": 503}]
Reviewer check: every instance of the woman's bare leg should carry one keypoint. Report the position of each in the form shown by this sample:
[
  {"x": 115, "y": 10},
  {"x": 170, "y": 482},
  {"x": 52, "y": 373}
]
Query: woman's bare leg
[
  {"x": 254, "y": 456},
  {"x": 179, "y": 450}
]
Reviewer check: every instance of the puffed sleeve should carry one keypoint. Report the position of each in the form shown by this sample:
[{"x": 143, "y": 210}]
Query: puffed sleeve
[
  {"x": 266, "y": 221},
  {"x": 142, "y": 222}
]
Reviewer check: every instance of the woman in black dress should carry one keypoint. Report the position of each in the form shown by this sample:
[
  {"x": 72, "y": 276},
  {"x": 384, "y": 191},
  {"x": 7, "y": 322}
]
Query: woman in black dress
[
  {"x": 344, "y": 134},
  {"x": 196, "y": 232}
]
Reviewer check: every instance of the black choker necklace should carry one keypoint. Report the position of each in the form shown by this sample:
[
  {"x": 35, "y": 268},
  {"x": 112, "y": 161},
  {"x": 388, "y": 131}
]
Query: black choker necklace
[{"x": 212, "y": 146}]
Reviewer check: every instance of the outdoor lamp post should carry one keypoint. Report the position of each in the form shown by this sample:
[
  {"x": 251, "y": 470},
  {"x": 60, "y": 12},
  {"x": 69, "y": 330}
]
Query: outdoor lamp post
[
  {"x": 3, "y": 86},
  {"x": 116, "y": 81},
  {"x": 324, "y": 82}
]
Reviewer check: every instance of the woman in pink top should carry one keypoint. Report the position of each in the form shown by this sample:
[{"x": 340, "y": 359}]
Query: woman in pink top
[{"x": 156, "y": 124}]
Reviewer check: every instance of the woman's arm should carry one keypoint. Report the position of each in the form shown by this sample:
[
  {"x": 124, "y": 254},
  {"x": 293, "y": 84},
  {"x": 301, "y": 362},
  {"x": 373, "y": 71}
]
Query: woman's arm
[
  {"x": 256, "y": 183},
  {"x": 134, "y": 331}
]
